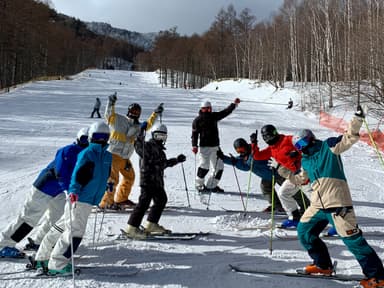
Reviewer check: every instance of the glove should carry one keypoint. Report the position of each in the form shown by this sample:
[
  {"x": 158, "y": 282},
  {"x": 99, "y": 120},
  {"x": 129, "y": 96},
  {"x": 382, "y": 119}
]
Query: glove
[
  {"x": 112, "y": 98},
  {"x": 253, "y": 138},
  {"x": 273, "y": 164},
  {"x": 236, "y": 101},
  {"x": 110, "y": 187},
  {"x": 233, "y": 159},
  {"x": 159, "y": 109},
  {"x": 73, "y": 197},
  {"x": 194, "y": 149},
  {"x": 293, "y": 154},
  {"x": 360, "y": 112},
  {"x": 144, "y": 126},
  {"x": 220, "y": 154},
  {"x": 181, "y": 158}
]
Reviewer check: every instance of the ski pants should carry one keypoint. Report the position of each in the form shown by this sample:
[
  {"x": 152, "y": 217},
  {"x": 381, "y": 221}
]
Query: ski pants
[
  {"x": 266, "y": 189},
  {"x": 122, "y": 170},
  {"x": 36, "y": 204},
  {"x": 208, "y": 160},
  {"x": 74, "y": 221},
  {"x": 290, "y": 199},
  {"x": 149, "y": 193},
  {"x": 343, "y": 219}
]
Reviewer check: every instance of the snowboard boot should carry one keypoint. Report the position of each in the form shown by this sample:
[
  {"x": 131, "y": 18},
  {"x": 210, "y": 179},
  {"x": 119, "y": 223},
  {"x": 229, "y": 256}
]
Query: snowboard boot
[
  {"x": 154, "y": 228},
  {"x": 313, "y": 269},
  {"x": 135, "y": 233},
  {"x": 11, "y": 252},
  {"x": 372, "y": 283}
]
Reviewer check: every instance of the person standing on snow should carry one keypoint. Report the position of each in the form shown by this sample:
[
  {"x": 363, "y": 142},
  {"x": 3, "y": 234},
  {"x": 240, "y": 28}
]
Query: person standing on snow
[
  {"x": 153, "y": 162},
  {"x": 259, "y": 164},
  {"x": 283, "y": 151},
  {"x": 331, "y": 202},
  {"x": 96, "y": 108},
  {"x": 124, "y": 130},
  {"x": 46, "y": 199},
  {"x": 206, "y": 132},
  {"x": 88, "y": 182}
]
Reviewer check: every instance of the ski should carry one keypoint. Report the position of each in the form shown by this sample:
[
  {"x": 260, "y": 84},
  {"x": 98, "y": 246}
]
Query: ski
[
  {"x": 168, "y": 236},
  {"x": 129, "y": 210},
  {"x": 261, "y": 213},
  {"x": 299, "y": 273}
]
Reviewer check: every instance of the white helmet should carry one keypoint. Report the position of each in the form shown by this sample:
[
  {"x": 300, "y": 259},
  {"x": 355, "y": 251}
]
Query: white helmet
[
  {"x": 82, "y": 136},
  {"x": 98, "y": 133},
  {"x": 205, "y": 104},
  {"x": 159, "y": 132}
]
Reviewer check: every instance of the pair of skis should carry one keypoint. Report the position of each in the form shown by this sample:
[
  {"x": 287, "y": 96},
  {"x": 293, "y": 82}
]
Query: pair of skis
[{"x": 166, "y": 236}]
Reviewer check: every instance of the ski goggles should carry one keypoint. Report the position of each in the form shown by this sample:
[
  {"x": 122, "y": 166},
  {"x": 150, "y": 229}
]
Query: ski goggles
[
  {"x": 83, "y": 140},
  {"x": 241, "y": 150},
  {"x": 206, "y": 109},
  {"x": 160, "y": 136},
  {"x": 301, "y": 144},
  {"x": 100, "y": 137},
  {"x": 134, "y": 113}
]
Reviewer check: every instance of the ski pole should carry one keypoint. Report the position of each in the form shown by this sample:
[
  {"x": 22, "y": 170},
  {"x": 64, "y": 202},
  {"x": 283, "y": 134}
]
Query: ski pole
[
  {"x": 210, "y": 192},
  {"x": 272, "y": 211},
  {"x": 185, "y": 184},
  {"x": 238, "y": 187},
  {"x": 71, "y": 206},
  {"x": 373, "y": 142},
  {"x": 101, "y": 225},
  {"x": 94, "y": 231},
  {"x": 249, "y": 184}
]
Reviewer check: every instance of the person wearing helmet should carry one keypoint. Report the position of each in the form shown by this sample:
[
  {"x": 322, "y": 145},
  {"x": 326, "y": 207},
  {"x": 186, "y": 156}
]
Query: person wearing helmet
[
  {"x": 96, "y": 108},
  {"x": 45, "y": 202},
  {"x": 293, "y": 200},
  {"x": 87, "y": 187},
  {"x": 331, "y": 202},
  {"x": 205, "y": 133},
  {"x": 258, "y": 161},
  {"x": 124, "y": 129},
  {"x": 153, "y": 162}
]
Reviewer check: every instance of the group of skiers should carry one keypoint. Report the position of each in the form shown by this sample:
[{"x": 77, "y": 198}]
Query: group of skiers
[{"x": 96, "y": 171}]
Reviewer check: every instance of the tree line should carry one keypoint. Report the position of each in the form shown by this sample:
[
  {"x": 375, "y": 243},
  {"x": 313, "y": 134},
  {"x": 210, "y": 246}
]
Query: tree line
[
  {"x": 326, "y": 42},
  {"x": 36, "y": 41}
]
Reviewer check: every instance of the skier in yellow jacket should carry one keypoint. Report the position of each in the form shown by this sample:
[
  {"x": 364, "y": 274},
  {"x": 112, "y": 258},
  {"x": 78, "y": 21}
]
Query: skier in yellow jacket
[{"x": 124, "y": 130}]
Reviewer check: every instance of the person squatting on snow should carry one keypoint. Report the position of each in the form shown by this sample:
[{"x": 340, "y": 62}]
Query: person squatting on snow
[
  {"x": 331, "y": 202},
  {"x": 124, "y": 130},
  {"x": 284, "y": 153},
  {"x": 259, "y": 164},
  {"x": 96, "y": 108},
  {"x": 46, "y": 200},
  {"x": 206, "y": 132},
  {"x": 153, "y": 162},
  {"x": 86, "y": 189}
]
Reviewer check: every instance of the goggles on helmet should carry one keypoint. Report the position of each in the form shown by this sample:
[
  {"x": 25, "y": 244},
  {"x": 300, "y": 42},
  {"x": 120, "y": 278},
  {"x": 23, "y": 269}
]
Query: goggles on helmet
[
  {"x": 159, "y": 136},
  {"x": 301, "y": 144}
]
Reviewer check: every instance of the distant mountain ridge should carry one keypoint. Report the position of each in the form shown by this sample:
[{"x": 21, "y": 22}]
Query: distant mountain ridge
[{"x": 144, "y": 40}]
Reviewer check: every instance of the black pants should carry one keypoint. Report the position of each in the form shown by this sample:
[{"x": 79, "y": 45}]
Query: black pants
[
  {"x": 95, "y": 111},
  {"x": 147, "y": 194}
]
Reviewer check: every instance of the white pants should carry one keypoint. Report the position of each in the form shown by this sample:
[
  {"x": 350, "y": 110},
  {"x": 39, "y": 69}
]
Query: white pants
[
  {"x": 36, "y": 204},
  {"x": 208, "y": 160},
  {"x": 285, "y": 193},
  {"x": 75, "y": 222}
]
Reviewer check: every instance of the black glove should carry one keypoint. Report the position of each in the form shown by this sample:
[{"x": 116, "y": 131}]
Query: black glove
[
  {"x": 293, "y": 154},
  {"x": 159, "y": 109},
  {"x": 113, "y": 98},
  {"x": 360, "y": 112},
  {"x": 253, "y": 138},
  {"x": 181, "y": 158},
  {"x": 220, "y": 154},
  {"x": 233, "y": 159}
]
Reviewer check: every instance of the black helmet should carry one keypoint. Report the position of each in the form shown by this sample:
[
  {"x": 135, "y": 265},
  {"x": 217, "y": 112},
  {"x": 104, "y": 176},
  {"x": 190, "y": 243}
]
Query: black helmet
[
  {"x": 241, "y": 146},
  {"x": 134, "y": 111},
  {"x": 269, "y": 134}
]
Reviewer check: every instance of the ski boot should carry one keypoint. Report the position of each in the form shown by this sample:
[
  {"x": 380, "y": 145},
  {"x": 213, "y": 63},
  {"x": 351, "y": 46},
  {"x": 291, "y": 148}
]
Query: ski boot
[
  {"x": 31, "y": 245},
  {"x": 135, "y": 233},
  {"x": 289, "y": 223},
  {"x": 11, "y": 252},
  {"x": 67, "y": 270},
  {"x": 313, "y": 269},
  {"x": 372, "y": 283},
  {"x": 217, "y": 189},
  {"x": 154, "y": 228}
]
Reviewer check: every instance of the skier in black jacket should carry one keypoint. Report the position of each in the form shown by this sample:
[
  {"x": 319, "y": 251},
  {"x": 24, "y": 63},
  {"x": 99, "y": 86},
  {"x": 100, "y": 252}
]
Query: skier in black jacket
[
  {"x": 204, "y": 128},
  {"x": 153, "y": 162}
]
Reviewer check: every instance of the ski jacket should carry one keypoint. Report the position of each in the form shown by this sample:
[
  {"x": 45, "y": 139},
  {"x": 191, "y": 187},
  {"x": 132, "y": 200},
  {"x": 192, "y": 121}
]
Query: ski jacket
[
  {"x": 97, "y": 104},
  {"x": 324, "y": 168},
  {"x": 286, "y": 154},
  {"x": 205, "y": 126},
  {"x": 124, "y": 130},
  {"x": 153, "y": 162},
  {"x": 90, "y": 176},
  {"x": 55, "y": 178}
]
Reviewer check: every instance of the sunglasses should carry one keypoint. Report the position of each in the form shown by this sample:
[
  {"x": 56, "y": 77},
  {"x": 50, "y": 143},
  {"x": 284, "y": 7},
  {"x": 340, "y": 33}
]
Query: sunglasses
[{"x": 206, "y": 109}]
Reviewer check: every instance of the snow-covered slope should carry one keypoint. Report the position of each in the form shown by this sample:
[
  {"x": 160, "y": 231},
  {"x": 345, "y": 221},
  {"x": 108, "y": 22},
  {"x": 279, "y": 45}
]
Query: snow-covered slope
[{"x": 38, "y": 118}]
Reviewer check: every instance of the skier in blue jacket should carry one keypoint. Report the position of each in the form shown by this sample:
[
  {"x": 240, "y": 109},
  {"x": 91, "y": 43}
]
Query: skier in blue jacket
[
  {"x": 88, "y": 184},
  {"x": 46, "y": 199}
]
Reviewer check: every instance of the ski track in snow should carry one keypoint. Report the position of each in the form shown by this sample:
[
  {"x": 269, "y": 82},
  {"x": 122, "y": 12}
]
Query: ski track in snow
[{"x": 38, "y": 118}]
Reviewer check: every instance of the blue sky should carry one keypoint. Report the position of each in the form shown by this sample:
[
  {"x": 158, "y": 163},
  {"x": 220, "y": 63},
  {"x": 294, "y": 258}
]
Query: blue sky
[{"x": 190, "y": 16}]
